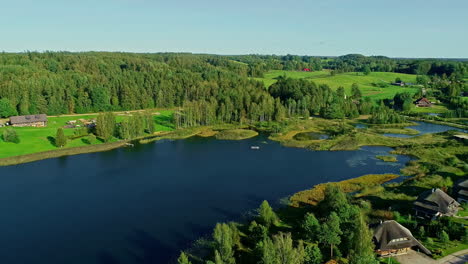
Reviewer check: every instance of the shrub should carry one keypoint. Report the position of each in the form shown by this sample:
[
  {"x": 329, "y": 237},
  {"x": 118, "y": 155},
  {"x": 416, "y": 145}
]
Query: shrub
[{"x": 10, "y": 135}]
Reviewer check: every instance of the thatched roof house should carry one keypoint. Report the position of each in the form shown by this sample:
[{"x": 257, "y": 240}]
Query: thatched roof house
[
  {"x": 391, "y": 238},
  {"x": 434, "y": 203},
  {"x": 423, "y": 102},
  {"x": 29, "y": 120}
]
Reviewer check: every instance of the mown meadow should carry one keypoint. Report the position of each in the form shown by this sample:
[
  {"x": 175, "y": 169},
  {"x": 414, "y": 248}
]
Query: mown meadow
[{"x": 369, "y": 84}]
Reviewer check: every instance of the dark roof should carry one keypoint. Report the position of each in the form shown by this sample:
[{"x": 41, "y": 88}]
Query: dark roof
[
  {"x": 391, "y": 235},
  {"x": 463, "y": 193},
  {"x": 28, "y": 119},
  {"x": 435, "y": 200},
  {"x": 463, "y": 184}
]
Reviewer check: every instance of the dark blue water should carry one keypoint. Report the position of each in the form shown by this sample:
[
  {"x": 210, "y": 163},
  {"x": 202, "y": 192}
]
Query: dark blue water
[
  {"x": 425, "y": 128},
  {"x": 143, "y": 205}
]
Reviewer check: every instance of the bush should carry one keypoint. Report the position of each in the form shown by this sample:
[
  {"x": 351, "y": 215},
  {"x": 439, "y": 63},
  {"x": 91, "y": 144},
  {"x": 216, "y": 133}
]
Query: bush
[{"x": 10, "y": 135}]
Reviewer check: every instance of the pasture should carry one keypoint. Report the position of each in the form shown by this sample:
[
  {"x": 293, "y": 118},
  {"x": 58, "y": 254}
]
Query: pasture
[{"x": 369, "y": 84}]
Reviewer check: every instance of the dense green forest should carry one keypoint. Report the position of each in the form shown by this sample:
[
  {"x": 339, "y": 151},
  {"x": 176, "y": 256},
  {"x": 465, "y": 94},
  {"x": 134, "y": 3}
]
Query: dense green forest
[{"x": 209, "y": 88}]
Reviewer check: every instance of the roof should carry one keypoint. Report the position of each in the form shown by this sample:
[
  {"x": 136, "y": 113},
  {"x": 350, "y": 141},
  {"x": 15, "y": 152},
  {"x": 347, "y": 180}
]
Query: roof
[
  {"x": 463, "y": 193},
  {"x": 422, "y": 100},
  {"x": 435, "y": 200},
  {"x": 391, "y": 235},
  {"x": 28, "y": 119},
  {"x": 463, "y": 184}
]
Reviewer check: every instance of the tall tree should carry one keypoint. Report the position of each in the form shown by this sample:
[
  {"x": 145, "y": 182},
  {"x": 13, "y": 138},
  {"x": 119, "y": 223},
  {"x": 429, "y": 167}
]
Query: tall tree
[
  {"x": 331, "y": 232},
  {"x": 6, "y": 109},
  {"x": 311, "y": 227},
  {"x": 362, "y": 249},
  {"x": 223, "y": 236},
  {"x": 105, "y": 126},
  {"x": 266, "y": 215},
  {"x": 60, "y": 138}
]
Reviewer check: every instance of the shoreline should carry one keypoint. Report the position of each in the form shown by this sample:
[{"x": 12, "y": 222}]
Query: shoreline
[
  {"x": 343, "y": 142},
  {"x": 57, "y": 153}
]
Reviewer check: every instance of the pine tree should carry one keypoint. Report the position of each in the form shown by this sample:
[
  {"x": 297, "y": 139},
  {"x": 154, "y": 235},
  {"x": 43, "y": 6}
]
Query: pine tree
[{"x": 60, "y": 139}]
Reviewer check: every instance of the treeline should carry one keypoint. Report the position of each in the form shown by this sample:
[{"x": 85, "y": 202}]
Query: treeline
[
  {"x": 304, "y": 98},
  {"x": 354, "y": 63},
  {"x": 136, "y": 125},
  {"x": 335, "y": 229},
  {"x": 62, "y": 83}
]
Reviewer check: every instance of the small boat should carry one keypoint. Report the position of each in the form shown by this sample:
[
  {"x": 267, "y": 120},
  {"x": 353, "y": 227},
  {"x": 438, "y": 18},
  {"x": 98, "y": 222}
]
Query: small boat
[
  {"x": 254, "y": 147},
  {"x": 129, "y": 145}
]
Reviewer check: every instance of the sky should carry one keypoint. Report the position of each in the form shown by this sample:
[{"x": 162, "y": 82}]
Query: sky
[{"x": 394, "y": 28}]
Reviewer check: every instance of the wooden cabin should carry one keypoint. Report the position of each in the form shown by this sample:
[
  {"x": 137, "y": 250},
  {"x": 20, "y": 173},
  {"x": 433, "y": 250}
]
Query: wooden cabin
[
  {"x": 423, "y": 102},
  {"x": 29, "y": 121},
  {"x": 435, "y": 203},
  {"x": 392, "y": 239}
]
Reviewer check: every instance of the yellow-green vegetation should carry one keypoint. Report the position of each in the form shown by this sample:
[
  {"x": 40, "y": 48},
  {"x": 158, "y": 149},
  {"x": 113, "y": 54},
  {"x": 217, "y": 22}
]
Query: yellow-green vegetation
[
  {"x": 203, "y": 131},
  {"x": 316, "y": 194},
  {"x": 387, "y": 158},
  {"x": 236, "y": 134},
  {"x": 394, "y": 130},
  {"x": 369, "y": 84},
  {"x": 41, "y": 139}
]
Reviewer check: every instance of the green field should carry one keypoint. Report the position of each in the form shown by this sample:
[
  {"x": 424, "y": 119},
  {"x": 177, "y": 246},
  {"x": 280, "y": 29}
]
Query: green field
[
  {"x": 33, "y": 140},
  {"x": 365, "y": 82}
]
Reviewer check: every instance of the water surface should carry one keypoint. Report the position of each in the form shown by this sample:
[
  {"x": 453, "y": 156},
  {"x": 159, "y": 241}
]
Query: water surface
[
  {"x": 426, "y": 128},
  {"x": 143, "y": 205}
]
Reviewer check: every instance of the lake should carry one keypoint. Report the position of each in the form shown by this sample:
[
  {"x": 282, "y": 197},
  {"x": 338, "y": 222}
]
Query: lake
[
  {"x": 145, "y": 204},
  {"x": 426, "y": 128}
]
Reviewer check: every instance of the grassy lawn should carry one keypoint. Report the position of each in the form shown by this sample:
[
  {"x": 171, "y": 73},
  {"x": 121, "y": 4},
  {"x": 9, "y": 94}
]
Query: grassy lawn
[
  {"x": 33, "y": 140},
  {"x": 347, "y": 79},
  {"x": 437, "y": 108},
  {"x": 444, "y": 249}
]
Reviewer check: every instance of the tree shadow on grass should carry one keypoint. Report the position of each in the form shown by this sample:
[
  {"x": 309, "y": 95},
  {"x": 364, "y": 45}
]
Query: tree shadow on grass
[
  {"x": 51, "y": 140},
  {"x": 166, "y": 121}
]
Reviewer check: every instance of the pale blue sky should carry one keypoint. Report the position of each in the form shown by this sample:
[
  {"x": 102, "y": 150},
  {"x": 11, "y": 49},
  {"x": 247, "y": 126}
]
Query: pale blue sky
[{"x": 396, "y": 28}]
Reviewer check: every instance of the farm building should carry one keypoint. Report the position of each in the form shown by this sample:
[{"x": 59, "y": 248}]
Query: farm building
[
  {"x": 29, "y": 121},
  {"x": 462, "y": 191},
  {"x": 423, "y": 102},
  {"x": 435, "y": 203},
  {"x": 391, "y": 239},
  {"x": 306, "y": 70}
]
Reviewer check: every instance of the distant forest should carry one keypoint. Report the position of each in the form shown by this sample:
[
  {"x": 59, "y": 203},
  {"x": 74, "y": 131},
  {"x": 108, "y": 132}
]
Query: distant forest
[{"x": 210, "y": 88}]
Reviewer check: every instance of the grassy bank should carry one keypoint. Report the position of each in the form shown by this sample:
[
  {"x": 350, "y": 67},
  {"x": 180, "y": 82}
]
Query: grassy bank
[
  {"x": 387, "y": 158},
  {"x": 236, "y": 134},
  {"x": 60, "y": 153}
]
